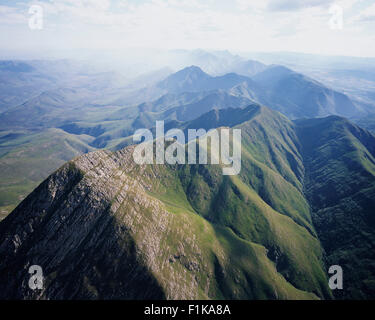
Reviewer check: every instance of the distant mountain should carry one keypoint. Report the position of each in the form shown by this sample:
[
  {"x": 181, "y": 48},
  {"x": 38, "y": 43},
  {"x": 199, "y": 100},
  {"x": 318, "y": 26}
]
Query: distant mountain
[
  {"x": 189, "y": 106},
  {"x": 150, "y": 78},
  {"x": 170, "y": 100},
  {"x": 24, "y": 80},
  {"x": 71, "y": 98},
  {"x": 107, "y": 126},
  {"x": 278, "y": 87},
  {"x": 103, "y": 227},
  {"x": 248, "y": 68},
  {"x": 217, "y": 118},
  {"x": 19, "y": 81},
  {"x": 48, "y": 109},
  {"x": 193, "y": 79},
  {"x": 80, "y": 101},
  {"x": 298, "y": 96},
  {"x": 219, "y": 62},
  {"x": 27, "y": 158},
  {"x": 213, "y": 62},
  {"x": 187, "y": 79},
  {"x": 15, "y": 66},
  {"x": 215, "y": 100}
]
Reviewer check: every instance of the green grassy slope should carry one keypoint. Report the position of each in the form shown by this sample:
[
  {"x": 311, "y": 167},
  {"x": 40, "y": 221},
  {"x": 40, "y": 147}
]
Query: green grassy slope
[
  {"x": 130, "y": 232},
  {"x": 265, "y": 204},
  {"x": 29, "y": 158},
  {"x": 305, "y": 187},
  {"x": 242, "y": 242},
  {"x": 340, "y": 185}
]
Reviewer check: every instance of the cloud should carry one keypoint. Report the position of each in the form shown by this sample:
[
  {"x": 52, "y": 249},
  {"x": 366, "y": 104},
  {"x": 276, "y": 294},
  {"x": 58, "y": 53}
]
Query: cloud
[
  {"x": 212, "y": 24},
  {"x": 251, "y": 5},
  {"x": 294, "y": 5},
  {"x": 366, "y": 15},
  {"x": 97, "y": 4},
  {"x": 11, "y": 16}
]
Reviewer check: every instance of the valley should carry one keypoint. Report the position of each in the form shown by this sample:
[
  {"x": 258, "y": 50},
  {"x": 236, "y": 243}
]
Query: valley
[{"x": 73, "y": 200}]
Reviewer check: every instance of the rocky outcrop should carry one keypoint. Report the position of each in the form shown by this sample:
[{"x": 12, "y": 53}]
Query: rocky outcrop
[{"x": 103, "y": 227}]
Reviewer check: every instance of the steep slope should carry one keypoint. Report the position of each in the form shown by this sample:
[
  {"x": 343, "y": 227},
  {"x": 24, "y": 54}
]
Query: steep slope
[
  {"x": 271, "y": 178},
  {"x": 248, "y": 68},
  {"x": 193, "y": 79},
  {"x": 367, "y": 122},
  {"x": 298, "y": 96},
  {"x": 339, "y": 159},
  {"x": 278, "y": 87},
  {"x": 103, "y": 227},
  {"x": 213, "y": 100},
  {"x": 187, "y": 79},
  {"x": 167, "y": 101},
  {"x": 182, "y": 107},
  {"x": 27, "y": 158}
]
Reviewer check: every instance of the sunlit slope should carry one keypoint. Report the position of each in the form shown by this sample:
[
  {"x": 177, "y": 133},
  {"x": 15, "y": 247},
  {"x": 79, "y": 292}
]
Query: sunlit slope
[
  {"x": 26, "y": 159},
  {"x": 104, "y": 227},
  {"x": 265, "y": 203}
]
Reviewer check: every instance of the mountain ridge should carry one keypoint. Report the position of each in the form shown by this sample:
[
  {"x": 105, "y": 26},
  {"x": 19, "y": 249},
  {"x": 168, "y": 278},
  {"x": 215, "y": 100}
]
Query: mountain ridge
[{"x": 190, "y": 218}]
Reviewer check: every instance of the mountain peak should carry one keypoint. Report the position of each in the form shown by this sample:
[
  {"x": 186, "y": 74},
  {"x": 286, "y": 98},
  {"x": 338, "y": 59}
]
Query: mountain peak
[
  {"x": 187, "y": 79},
  {"x": 274, "y": 71},
  {"x": 192, "y": 71}
]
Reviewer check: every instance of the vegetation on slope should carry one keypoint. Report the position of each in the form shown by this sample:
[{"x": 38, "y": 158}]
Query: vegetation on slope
[
  {"x": 339, "y": 159},
  {"x": 27, "y": 159}
]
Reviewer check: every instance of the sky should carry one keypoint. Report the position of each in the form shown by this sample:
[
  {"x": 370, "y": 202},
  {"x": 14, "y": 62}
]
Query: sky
[{"x": 309, "y": 26}]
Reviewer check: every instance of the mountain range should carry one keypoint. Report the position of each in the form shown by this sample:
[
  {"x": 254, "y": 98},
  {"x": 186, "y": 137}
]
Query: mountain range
[
  {"x": 102, "y": 110},
  {"x": 104, "y": 227}
]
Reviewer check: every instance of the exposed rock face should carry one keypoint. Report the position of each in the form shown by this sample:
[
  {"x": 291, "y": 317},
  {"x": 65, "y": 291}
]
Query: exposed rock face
[
  {"x": 97, "y": 234},
  {"x": 69, "y": 227},
  {"x": 102, "y": 227}
]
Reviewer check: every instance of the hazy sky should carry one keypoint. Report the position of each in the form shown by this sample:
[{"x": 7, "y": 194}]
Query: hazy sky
[{"x": 235, "y": 25}]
